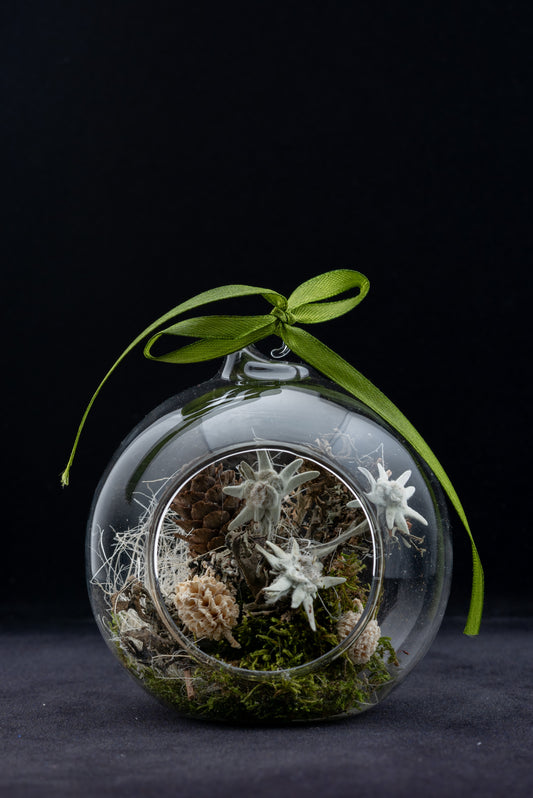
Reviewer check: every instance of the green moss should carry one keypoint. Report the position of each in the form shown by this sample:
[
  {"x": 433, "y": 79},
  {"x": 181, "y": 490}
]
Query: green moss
[
  {"x": 349, "y": 566},
  {"x": 320, "y": 694},
  {"x": 221, "y": 695},
  {"x": 271, "y": 644}
]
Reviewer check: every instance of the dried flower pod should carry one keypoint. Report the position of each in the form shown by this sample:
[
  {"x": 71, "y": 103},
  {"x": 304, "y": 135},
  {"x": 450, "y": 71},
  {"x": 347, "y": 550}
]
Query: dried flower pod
[
  {"x": 367, "y": 642},
  {"x": 346, "y": 623},
  {"x": 207, "y": 608}
]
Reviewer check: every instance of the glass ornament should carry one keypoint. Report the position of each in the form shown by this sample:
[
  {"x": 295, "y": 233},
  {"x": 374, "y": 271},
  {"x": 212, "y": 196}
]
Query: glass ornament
[{"x": 264, "y": 547}]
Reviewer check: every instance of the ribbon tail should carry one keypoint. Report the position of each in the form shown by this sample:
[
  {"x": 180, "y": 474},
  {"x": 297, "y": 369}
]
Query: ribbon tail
[
  {"x": 213, "y": 295},
  {"x": 337, "y": 369}
]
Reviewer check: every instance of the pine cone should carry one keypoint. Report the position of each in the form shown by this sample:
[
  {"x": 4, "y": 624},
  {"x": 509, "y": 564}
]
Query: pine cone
[
  {"x": 203, "y": 511},
  {"x": 207, "y": 608},
  {"x": 367, "y": 642}
]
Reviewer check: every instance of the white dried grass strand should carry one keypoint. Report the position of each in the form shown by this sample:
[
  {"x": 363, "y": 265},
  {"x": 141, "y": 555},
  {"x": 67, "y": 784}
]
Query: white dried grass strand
[{"x": 127, "y": 558}]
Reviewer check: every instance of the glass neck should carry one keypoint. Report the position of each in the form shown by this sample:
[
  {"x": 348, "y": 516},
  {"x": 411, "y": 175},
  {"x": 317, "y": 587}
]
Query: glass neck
[{"x": 250, "y": 365}]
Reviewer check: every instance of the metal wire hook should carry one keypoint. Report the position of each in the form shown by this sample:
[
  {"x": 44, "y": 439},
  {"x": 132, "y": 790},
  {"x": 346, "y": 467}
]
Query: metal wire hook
[{"x": 283, "y": 351}]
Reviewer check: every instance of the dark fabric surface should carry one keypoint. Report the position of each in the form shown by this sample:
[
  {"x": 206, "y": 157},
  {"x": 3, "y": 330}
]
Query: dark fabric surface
[{"x": 74, "y": 723}]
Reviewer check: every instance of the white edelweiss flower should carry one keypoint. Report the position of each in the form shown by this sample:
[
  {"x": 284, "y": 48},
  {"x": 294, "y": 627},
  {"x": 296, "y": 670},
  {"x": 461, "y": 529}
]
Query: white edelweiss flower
[
  {"x": 390, "y": 498},
  {"x": 263, "y": 490},
  {"x": 298, "y": 573}
]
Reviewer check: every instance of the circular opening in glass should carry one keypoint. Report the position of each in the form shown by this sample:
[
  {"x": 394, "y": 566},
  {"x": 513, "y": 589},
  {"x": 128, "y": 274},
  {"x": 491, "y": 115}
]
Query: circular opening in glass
[{"x": 264, "y": 561}]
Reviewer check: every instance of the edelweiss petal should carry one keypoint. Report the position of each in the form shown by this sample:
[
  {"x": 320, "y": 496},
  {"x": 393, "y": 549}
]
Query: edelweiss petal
[
  {"x": 410, "y": 513},
  {"x": 300, "y": 595},
  {"x": 245, "y": 515},
  {"x": 308, "y": 607},
  {"x": 280, "y": 587},
  {"x": 390, "y": 516},
  {"x": 402, "y": 479},
  {"x": 331, "y": 581}
]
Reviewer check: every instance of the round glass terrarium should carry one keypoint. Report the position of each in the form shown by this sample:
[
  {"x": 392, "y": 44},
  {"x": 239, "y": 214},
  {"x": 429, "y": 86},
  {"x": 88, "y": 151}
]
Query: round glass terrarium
[{"x": 264, "y": 548}]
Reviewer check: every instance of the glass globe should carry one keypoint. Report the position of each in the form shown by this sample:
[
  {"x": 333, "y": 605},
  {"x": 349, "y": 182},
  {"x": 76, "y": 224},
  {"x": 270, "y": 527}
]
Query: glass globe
[{"x": 263, "y": 547}]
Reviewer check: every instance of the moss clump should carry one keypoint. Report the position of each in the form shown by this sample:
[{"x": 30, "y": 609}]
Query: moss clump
[
  {"x": 332, "y": 691},
  {"x": 269, "y": 643}
]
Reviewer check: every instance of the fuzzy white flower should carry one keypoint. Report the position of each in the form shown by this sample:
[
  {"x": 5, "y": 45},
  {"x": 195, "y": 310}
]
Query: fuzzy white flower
[
  {"x": 263, "y": 491},
  {"x": 299, "y": 574},
  {"x": 390, "y": 498}
]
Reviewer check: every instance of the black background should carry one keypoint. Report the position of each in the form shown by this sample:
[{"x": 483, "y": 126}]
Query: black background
[{"x": 152, "y": 151}]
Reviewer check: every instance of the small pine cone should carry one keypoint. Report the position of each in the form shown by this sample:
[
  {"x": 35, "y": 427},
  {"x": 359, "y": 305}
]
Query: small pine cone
[
  {"x": 367, "y": 642},
  {"x": 203, "y": 511},
  {"x": 207, "y": 608}
]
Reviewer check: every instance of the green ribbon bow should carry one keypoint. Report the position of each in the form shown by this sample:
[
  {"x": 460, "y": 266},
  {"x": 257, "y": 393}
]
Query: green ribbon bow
[{"x": 220, "y": 335}]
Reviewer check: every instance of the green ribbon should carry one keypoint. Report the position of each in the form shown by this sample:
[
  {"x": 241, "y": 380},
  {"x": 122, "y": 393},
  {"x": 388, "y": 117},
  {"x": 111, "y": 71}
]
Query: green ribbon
[{"x": 220, "y": 335}]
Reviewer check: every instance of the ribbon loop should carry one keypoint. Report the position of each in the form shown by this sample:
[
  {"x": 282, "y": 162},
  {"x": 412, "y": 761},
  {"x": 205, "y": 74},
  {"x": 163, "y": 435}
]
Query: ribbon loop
[
  {"x": 221, "y": 335},
  {"x": 326, "y": 285},
  {"x": 305, "y": 301}
]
